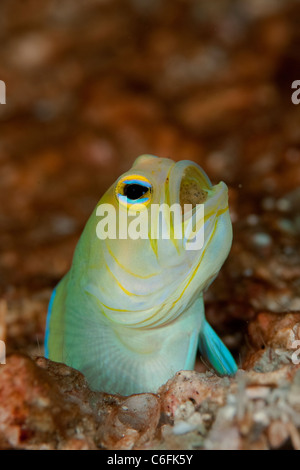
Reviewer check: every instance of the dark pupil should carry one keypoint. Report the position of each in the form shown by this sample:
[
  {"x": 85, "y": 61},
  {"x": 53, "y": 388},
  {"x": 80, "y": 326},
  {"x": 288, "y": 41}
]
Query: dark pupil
[{"x": 134, "y": 191}]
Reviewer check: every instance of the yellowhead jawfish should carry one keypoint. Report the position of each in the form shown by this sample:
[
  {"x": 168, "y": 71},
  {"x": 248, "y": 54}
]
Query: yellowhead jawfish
[{"x": 129, "y": 313}]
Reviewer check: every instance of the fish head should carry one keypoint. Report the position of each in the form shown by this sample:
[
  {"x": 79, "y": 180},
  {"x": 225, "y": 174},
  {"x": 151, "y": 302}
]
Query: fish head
[{"x": 165, "y": 238}]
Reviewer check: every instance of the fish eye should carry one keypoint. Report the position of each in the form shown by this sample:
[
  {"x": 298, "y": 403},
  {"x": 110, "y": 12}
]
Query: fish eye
[{"x": 132, "y": 190}]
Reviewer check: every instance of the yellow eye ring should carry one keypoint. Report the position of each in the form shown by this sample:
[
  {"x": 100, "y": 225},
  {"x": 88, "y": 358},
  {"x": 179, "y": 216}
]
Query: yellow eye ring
[{"x": 134, "y": 191}]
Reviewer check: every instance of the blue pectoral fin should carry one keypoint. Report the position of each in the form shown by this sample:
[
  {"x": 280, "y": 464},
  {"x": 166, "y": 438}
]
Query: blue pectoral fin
[
  {"x": 48, "y": 323},
  {"x": 215, "y": 352}
]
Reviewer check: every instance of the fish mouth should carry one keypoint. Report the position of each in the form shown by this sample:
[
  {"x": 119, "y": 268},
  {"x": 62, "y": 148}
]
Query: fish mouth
[
  {"x": 194, "y": 187},
  {"x": 202, "y": 204},
  {"x": 189, "y": 184}
]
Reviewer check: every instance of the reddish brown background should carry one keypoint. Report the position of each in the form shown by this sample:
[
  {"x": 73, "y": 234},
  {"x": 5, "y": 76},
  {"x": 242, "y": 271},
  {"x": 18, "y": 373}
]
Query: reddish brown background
[{"x": 93, "y": 84}]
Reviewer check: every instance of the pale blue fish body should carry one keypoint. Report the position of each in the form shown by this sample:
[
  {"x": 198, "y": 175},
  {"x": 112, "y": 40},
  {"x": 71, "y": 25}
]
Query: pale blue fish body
[{"x": 129, "y": 313}]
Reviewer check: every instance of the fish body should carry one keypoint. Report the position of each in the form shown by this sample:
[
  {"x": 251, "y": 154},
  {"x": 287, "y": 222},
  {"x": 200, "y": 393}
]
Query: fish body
[{"x": 129, "y": 313}]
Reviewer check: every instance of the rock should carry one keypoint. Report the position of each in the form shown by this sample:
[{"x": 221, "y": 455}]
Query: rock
[
  {"x": 190, "y": 385},
  {"x": 35, "y": 411},
  {"x": 47, "y": 405},
  {"x": 132, "y": 423},
  {"x": 273, "y": 338},
  {"x": 277, "y": 434}
]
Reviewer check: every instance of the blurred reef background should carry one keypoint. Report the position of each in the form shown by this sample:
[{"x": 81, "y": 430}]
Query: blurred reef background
[{"x": 91, "y": 85}]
